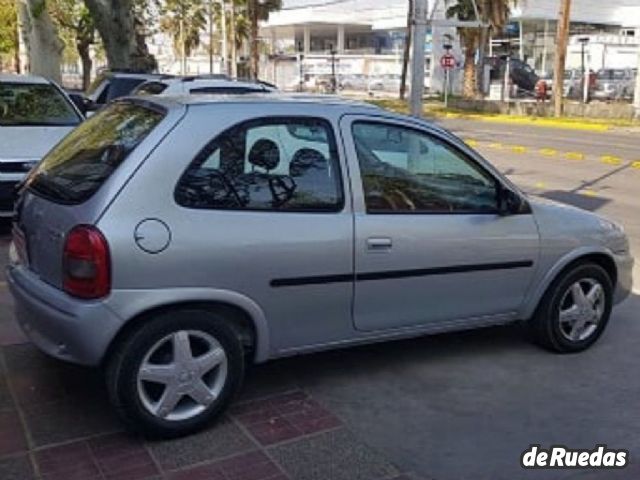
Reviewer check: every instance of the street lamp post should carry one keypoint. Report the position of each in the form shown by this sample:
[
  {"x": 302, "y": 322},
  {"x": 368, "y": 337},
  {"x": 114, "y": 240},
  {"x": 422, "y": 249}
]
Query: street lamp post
[
  {"x": 585, "y": 80},
  {"x": 334, "y": 80},
  {"x": 300, "y": 67}
]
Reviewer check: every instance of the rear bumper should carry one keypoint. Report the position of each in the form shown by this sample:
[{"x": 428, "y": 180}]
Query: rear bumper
[
  {"x": 624, "y": 285},
  {"x": 69, "y": 329}
]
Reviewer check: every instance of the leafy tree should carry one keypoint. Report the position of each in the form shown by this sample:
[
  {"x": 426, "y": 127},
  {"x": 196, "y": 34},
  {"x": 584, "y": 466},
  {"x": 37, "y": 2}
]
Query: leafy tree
[
  {"x": 495, "y": 13},
  {"x": 123, "y": 33},
  {"x": 9, "y": 34},
  {"x": 76, "y": 22},
  {"x": 184, "y": 20},
  {"x": 258, "y": 10},
  {"x": 40, "y": 35}
]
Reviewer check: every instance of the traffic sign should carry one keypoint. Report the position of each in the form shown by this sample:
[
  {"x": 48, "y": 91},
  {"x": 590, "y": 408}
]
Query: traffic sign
[{"x": 447, "y": 61}]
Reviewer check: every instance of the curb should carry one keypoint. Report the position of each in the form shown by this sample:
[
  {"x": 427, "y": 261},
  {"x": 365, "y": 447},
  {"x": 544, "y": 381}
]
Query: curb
[{"x": 533, "y": 121}]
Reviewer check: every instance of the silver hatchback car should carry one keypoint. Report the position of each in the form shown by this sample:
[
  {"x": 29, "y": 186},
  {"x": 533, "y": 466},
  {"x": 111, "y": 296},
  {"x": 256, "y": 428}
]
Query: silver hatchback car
[{"x": 175, "y": 240}]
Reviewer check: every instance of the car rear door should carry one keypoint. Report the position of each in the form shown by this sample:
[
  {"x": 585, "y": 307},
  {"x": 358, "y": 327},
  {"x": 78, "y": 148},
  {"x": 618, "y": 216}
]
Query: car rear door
[{"x": 430, "y": 246}]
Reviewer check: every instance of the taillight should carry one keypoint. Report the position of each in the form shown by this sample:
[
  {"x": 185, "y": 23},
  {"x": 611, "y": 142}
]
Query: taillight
[{"x": 86, "y": 263}]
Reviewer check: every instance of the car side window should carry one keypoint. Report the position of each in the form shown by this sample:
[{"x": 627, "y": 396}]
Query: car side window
[
  {"x": 266, "y": 164},
  {"x": 407, "y": 171}
]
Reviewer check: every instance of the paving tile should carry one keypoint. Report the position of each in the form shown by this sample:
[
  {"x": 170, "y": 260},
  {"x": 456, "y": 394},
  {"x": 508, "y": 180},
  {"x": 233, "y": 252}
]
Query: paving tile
[
  {"x": 335, "y": 455},
  {"x": 67, "y": 420},
  {"x": 221, "y": 440},
  {"x": 283, "y": 417},
  {"x": 72, "y": 461},
  {"x": 248, "y": 466},
  {"x": 12, "y": 438},
  {"x": 16, "y": 468},
  {"x": 6, "y": 402},
  {"x": 10, "y": 333},
  {"x": 122, "y": 457}
]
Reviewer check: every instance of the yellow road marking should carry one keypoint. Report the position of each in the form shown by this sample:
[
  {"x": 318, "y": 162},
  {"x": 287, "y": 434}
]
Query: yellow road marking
[
  {"x": 589, "y": 193},
  {"x": 636, "y": 164},
  {"x": 518, "y": 149},
  {"x": 540, "y": 185},
  {"x": 495, "y": 145},
  {"x": 471, "y": 142},
  {"x": 574, "y": 156},
  {"x": 549, "y": 152},
  {"x": 611, "y": 160}
]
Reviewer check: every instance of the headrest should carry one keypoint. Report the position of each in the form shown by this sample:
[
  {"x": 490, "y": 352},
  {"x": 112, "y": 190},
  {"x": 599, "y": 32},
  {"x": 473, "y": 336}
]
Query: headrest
[
  {"x": 305, "y": 159},
  {"x": 265, "y": 154}
]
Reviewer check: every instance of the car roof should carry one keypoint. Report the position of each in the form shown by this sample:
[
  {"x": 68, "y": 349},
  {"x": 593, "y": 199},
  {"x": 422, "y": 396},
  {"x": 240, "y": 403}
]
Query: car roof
[
  {"x": 27, "y": 79},
  {"x": 213, "y": 82},
  {"x": 274, "y": 98}
]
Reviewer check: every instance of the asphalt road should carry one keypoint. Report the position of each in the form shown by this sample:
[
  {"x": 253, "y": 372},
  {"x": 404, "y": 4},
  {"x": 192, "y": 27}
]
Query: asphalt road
[{"x": 597, "y": 171}]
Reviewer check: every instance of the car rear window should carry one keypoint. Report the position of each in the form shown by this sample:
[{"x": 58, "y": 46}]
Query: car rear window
[
  {"x": 77, "y": 167},
  {"x": 34, "y": 104}
]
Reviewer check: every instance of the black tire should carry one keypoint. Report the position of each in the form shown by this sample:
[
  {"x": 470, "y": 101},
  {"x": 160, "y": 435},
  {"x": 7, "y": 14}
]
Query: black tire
[
  {"x": 545, "y": 326},
  {"x": 123, "y": 366}
]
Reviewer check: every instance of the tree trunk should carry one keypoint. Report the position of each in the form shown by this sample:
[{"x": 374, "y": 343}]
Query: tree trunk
[
  {"x": 232, "y": 34},
  {"x": 562, "y": 37},
  {"x": 254, "y": 54},
  {"x": 124, "y": 45},
  {"x": 406, "y": 54},
  {"x": 87, "y": 63},
  {"x": 482, "y": 52},
  {"x": 44, "y": 47},
  {"x": 469, "y": 82}
]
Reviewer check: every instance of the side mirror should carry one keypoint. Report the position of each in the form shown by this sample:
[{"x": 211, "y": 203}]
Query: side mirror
[{"x": 509, "y": 202}]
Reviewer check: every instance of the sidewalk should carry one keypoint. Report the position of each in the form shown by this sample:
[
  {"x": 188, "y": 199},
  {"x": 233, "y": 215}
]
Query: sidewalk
[{"x": 55, "y": 423}]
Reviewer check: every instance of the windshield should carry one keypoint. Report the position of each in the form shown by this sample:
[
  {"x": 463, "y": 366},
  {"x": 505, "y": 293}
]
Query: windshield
[
  {"x": 33, "y": 104},
  {"x": 81, "y": 163}
]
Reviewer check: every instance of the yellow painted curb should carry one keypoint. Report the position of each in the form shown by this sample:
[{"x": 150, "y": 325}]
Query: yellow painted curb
[
  {"x": 574, "y": 156},
  {"x": 518, "y": 149},
  {"x": 548, "y": 152},
  {"x": 541, "y": 122},
  {"x": 611, "y": 160}
]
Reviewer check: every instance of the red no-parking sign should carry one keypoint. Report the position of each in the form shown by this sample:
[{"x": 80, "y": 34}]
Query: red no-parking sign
[{"x": 447, "y": 61}]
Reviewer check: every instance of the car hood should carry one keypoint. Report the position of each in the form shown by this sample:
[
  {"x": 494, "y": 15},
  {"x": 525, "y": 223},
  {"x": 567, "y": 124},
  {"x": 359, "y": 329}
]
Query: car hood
[{"x": 29, "y": 142}]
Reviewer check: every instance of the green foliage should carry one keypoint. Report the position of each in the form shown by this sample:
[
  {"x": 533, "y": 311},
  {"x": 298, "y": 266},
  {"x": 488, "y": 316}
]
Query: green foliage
[
  {"x": 184, "y": 20},
  {"x": 8, "y": 27}
]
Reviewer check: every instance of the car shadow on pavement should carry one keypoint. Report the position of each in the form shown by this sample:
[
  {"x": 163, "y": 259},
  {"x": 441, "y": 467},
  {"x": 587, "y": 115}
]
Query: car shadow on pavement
[{"x": 585, "y": 202}]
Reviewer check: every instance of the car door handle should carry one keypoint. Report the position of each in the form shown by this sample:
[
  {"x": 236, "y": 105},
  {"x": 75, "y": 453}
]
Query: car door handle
[{"x": 379, "y": 244}]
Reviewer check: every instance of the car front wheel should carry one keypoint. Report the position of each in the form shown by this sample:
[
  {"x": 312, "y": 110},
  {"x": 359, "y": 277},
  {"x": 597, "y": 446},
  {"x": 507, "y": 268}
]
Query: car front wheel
[
  {"x": 175, "y": 373},
  {"x": 575, "y": 309}
]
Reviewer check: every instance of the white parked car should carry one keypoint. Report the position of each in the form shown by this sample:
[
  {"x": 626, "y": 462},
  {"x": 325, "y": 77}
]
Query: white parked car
[
  {"x": 35, "y": 114},
  {"x": 216, "y": 84}
]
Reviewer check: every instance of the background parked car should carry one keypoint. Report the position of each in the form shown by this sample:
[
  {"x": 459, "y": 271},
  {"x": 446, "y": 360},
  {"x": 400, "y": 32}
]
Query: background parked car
[
  {"x": 200, "y": 84},
  {"x": 110, "y": 85},
  {"x": 614, "y": 84},
  {"x": 35, "y": 114}
]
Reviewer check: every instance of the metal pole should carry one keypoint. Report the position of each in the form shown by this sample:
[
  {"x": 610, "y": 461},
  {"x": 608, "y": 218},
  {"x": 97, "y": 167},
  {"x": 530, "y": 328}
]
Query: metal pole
[
  {"x": 636, "y": 96},
  {"x": 584, "y": 79},
  {"x": 562, "y": 36},
  {"x": 417, "y": 62},
  {"x": 223, "y": 28},
  {"x": 446, "y": 88}
]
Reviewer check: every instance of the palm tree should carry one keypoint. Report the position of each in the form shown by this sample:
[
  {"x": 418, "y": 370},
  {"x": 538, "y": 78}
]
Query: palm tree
[
  {"x": 258, "y": 10},
  {"x": 495, "y": 14},
  {"x": 184, "y": 20}
]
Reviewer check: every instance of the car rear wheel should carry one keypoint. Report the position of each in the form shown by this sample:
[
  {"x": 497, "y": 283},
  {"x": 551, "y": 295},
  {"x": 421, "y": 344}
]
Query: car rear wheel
[
  {"x": 175, "y": 373},
  {"x": 575, "y": 309}
]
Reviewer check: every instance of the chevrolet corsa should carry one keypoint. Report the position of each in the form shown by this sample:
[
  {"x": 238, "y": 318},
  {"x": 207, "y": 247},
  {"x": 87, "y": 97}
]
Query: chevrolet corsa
[{"x": 173, "y": 241}]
